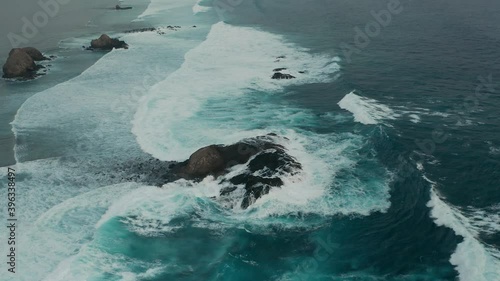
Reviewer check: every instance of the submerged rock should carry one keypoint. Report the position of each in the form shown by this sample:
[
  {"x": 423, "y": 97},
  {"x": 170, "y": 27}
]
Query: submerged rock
[
  {"x": 145, "y": 29},
  {"x": 19, "y": 64},
  {"x": 107, "y": 43},
  {"x": 173, "y": 27},
  {"x": 118, "y": 7},
  {"x": 279, "y": 75}
]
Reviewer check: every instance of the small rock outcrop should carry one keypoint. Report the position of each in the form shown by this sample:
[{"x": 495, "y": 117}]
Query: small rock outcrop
[
  {"x": 279, "y": 75},
  {"x": 107, "y": 43},
  {"x": 19, "y": 65},
  {"x": 145, "y": 29},
  {"x": 118, "y": 7}
]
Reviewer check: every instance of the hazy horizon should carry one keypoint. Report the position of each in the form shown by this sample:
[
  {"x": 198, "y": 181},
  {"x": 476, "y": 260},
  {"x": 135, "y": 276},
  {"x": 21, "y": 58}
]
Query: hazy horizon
[{"x": 71, "y": 17}]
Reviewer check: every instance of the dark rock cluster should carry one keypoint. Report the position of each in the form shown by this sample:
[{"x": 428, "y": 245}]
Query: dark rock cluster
[
  {"x": 266, "y": 163},
  {"x": 278, "y": 72},
  {"x": 279, "y": 75},
  {"x": 104, "y": 42},
  {"x": 21, "y": 63}
]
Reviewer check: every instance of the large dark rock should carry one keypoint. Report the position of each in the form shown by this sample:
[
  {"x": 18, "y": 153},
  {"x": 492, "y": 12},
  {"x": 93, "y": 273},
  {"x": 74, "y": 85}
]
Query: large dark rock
[
  {"x": 35, "y": 54},
  {"x": 205, "y": 161},
  {"x": 245, "y": 171},
  {"x": 215, "y": 159},
  {"x": 266, "y": 163},
  {"x": 107, "y": 43},
  {"x": 279, "y": 75},
  {"x": 19, "y": 64}
]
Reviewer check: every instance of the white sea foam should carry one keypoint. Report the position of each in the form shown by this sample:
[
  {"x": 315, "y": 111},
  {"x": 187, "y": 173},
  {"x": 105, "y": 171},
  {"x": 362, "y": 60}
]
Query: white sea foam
[
  {"x": 199, "y": 8},
  {"x": 414, "y": 118},
  {"x": 494, "y": 150},
  {"x": 84, "y": 113},
  {"x": 473, "y": 260},
  {"x": 63, "y": 229},
  {"x": 414, "y": 113},
  {"x": 156, "y": 212},
  {"x": 206, "y": 101},
  {"x": 485, "y": 220},
  {"x": 149, "y": 211},
  {"x": 366, "y": 111},
  {"x": 222, "y": 93},
  {"x": 91, "y": 263},
  {"x": 157, "y": 7},
  {"x": 232, "y": 61},
  {"x": 369, "y": 111}
]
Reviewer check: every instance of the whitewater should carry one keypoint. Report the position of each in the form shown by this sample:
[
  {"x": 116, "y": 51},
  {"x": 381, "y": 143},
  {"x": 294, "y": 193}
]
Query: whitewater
[
  {"x": 473, "y": 259},
  {"x": 81, "y": 211},
  {"x": 86, "y": 130}
]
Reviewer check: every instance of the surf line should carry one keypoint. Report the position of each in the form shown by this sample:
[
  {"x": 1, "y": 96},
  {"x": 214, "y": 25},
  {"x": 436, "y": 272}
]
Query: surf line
[{"x": 11, "y": 219}]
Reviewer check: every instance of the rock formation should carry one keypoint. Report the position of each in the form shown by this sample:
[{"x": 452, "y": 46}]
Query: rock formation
[
  {"x": 245, "y": 171},
  {"x": 21, "y": 63},
  {"x": 266, "y": 163},
  {"x": 107, "y": 43},
  {"x": 279, "y": 75}
]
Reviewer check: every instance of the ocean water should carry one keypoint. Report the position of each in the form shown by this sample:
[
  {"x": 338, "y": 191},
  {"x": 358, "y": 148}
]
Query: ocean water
[
  {"x": 399, "y": 143},
  {"x": 76, "y": 23}
]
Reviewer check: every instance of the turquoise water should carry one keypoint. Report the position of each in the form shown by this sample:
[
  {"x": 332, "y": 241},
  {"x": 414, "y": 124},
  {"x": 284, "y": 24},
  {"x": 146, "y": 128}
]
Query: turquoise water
[{"x": 400, "y": 175}]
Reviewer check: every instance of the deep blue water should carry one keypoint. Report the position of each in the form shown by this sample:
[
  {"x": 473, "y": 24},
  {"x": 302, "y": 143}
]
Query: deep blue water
[{"x": 400, "y": 144}]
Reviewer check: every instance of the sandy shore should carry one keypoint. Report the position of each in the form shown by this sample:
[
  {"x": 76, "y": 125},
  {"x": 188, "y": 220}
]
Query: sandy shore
[{"x": 74, "y": 18}]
